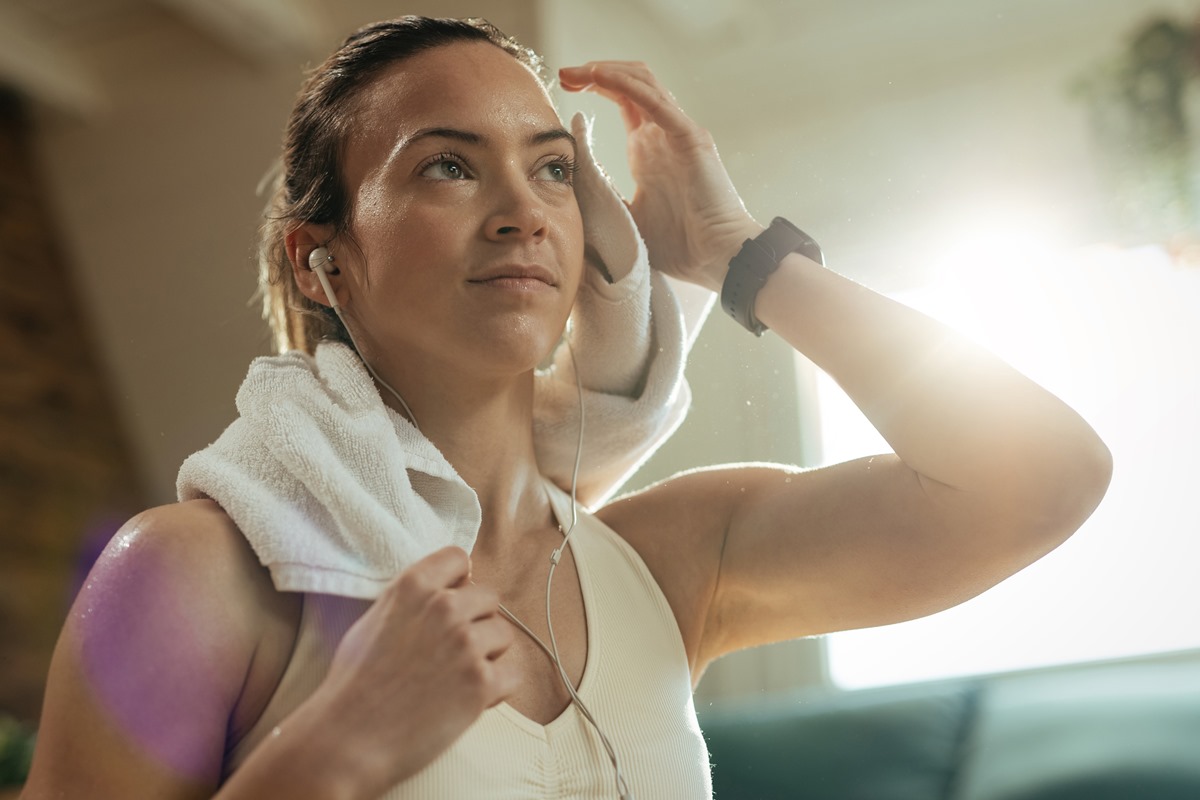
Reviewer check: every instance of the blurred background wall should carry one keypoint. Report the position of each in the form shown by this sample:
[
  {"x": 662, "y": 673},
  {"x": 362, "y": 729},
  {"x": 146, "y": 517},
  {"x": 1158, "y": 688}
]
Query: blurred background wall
[{"x": 137, "y": 131}]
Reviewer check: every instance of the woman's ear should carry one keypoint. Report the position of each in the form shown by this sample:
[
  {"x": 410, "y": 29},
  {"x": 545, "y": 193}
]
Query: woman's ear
[{"x": 300, "y": 243}]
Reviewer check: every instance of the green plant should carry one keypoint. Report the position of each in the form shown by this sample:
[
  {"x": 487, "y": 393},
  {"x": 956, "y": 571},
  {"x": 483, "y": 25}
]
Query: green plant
[
  {"x": 16, "y": 751},
  {"x": 1143, "y": 111}
]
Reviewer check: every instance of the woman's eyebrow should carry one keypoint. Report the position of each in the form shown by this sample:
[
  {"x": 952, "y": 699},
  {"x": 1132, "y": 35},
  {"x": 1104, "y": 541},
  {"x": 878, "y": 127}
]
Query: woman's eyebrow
[
  {"x": 552, "y": 135},
  {"x": 470, "y": 137},
  {"x": 442, "y": 133}
]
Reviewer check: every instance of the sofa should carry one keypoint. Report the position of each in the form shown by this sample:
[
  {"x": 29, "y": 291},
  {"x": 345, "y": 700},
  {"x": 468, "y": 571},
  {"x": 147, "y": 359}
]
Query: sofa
[
  {"x": 1121, "y": 731},
  {"x": 1111, "y": 732}
]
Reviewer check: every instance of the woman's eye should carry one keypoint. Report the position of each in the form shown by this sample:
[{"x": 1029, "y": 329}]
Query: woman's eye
[
  {"x": 556, "y": 171},
  {"x": 445, "y": 170}
]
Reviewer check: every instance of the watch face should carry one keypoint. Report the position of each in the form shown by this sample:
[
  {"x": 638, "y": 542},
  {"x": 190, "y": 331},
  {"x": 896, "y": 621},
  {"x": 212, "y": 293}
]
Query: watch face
[
  {"x": 787, "y": 238},
  {"x": 774, "y": 243}
]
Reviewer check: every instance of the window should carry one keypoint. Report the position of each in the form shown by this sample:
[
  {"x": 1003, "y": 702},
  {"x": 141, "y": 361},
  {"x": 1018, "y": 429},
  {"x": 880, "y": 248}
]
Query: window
[{"x": 1116, "y": 334}]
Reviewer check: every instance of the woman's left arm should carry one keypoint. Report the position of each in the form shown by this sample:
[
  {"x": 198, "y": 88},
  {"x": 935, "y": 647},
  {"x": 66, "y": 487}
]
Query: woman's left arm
[{"x": 990, "y": 471}]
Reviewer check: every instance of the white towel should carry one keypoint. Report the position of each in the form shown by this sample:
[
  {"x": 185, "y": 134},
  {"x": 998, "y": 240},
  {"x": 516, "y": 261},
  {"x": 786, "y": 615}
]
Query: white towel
[{"x": 337, "y": 493}]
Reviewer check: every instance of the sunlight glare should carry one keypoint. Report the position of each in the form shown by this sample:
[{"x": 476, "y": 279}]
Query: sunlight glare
[{"x": 1114, "y": 334}]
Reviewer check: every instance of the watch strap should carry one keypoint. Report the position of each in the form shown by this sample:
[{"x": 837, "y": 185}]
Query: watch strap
[{"x": 754, "y": 264}]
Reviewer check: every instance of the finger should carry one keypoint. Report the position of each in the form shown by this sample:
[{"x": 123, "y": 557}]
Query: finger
[
  {"x": 575, "y": 79},
  {"x": 630, "y": 114},
  {"x": 505, "y": 680},
  {"x": 445, "y": 568},
  {"x": 634, "y": 83},
  {"x": 477, "y": 602},
  {"x": 583, "y": 79},
  {"x": 493, "y": 637},
  {"x": 638, "y": 87}
]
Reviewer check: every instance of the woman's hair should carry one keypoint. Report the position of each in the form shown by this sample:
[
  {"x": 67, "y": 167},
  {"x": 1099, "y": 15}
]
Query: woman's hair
[{"x": 309, "y": 186}]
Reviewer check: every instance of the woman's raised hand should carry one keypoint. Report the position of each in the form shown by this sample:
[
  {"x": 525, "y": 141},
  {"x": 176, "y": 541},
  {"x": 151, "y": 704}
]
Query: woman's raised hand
[
  {"x": 685, "y": 206},
  {"x": 419, "y": 667}
]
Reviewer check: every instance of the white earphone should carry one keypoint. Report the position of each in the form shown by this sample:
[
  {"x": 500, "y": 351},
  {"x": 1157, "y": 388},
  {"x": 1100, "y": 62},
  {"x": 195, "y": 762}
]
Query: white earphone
[{"x": 318, "y": 261}]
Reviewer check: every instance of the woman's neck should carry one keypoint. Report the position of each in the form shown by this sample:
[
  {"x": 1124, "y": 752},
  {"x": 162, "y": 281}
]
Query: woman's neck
[{"x": 485, "y": 430}]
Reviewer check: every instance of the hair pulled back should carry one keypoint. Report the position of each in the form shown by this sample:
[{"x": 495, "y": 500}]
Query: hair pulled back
[{"x": 308, "y": 185}]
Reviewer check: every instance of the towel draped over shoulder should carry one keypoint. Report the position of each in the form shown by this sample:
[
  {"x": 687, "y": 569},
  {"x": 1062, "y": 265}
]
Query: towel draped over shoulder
[{"x": 337, "y": 493}]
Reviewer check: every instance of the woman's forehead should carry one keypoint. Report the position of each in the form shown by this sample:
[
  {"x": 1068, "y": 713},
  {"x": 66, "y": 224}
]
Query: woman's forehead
[{"x": 456, "y": 85}]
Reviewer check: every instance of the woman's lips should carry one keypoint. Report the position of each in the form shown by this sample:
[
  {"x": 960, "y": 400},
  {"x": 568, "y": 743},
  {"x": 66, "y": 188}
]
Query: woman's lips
[
  {"x": 518, "y": 277},
  {"x": 515, "y": 282}
]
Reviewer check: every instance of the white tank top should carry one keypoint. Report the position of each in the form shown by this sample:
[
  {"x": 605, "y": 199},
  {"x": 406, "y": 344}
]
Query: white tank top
[{"x": 636, "y": 682}]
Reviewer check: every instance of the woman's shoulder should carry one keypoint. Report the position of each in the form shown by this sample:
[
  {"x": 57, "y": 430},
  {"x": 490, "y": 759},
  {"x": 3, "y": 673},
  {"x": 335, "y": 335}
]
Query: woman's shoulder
[
  {"x": 229, "y": 593},
  {"x": 191, "y": 555},
  {"x": 687, "y": 509},
  {"x": 170, "y": 624},
  {"x": 190, "y": 547},
  {"x": 189, "y": 561},
  {"x": 185, "y": 574}
]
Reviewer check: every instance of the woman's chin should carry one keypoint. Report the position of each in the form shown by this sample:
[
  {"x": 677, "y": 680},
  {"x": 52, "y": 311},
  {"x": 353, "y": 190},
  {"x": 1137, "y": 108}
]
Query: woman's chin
[
  {"x": 518, "y": 355},
  {"x": 521, "y": 347}
]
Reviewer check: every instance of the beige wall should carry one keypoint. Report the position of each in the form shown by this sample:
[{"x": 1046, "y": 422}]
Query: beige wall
[{"x": 156, "y": 198}]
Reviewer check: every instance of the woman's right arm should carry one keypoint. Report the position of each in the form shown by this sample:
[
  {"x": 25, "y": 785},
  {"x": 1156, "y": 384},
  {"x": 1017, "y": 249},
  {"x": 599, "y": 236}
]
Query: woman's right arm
[{"x": 155, "y": 654}]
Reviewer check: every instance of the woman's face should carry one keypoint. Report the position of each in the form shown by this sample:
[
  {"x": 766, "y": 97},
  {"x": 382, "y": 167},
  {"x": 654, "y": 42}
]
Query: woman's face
[{"x": 471, "y": 240}]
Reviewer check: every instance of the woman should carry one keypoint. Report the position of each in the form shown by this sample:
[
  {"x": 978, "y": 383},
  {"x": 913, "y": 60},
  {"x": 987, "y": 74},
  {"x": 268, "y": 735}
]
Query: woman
[{"x": 183, "y": 672}]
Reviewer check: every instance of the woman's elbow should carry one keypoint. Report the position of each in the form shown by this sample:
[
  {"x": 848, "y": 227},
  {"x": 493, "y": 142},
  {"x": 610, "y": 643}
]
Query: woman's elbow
[{"x": 1074, "y": 483}]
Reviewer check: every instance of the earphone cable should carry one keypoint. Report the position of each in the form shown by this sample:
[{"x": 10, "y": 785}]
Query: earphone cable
[
  {"x": 331, "y": 296},
  {"x": 555, "y": 556},
  {"x": 552, "y": 650}
]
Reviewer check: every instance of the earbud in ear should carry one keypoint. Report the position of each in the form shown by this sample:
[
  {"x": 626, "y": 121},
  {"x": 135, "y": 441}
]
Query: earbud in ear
[
  {"x": 318, "y": 261},
  {"x": 318, "y": 258}
]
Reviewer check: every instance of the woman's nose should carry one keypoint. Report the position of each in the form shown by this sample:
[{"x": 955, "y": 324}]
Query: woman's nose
[{"x": 517, "y": 212}]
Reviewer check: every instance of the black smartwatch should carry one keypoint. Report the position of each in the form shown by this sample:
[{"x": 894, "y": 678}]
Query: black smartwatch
[{"x": 754, "y": 263}]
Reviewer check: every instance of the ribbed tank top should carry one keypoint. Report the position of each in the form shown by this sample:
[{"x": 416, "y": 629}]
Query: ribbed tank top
[{"x": 636, "y": 682}]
